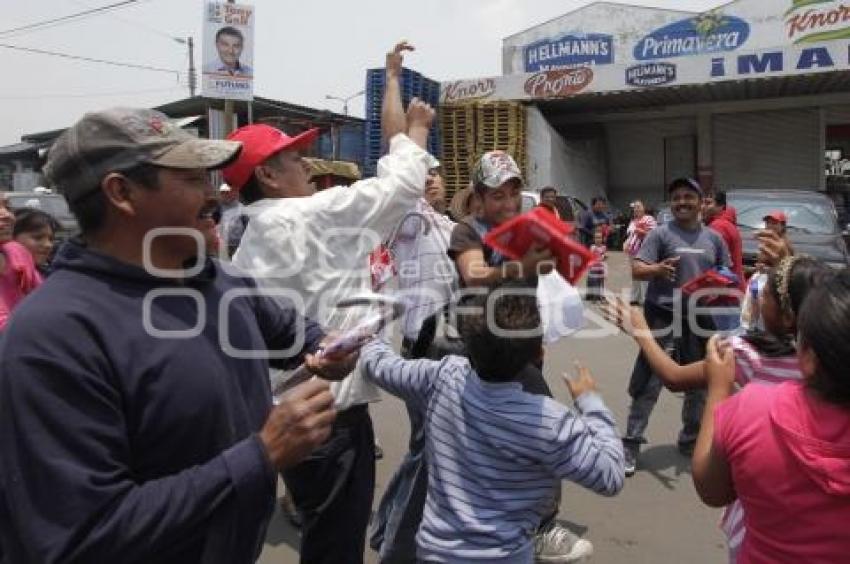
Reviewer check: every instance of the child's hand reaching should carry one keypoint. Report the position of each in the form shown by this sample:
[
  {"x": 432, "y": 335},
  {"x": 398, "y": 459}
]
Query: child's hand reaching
[
  {"x": 628, "y": 318},
  {"x": 720, "y": 365},
  {"x": 581, "y": 383}
]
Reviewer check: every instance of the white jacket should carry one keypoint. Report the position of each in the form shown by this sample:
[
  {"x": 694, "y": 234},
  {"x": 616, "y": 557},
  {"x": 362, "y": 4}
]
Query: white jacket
[{"x": 319, "y": 246}]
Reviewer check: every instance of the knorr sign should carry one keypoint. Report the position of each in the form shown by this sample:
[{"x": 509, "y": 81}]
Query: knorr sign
[{"x": 809, "y": 21}]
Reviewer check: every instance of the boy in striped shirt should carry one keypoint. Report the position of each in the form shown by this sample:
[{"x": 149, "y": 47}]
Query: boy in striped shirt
[{"x": 495, "y": 453}]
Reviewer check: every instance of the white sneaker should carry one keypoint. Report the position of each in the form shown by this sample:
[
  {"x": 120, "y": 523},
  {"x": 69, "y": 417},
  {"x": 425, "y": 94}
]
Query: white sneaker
[{"x": 557, "y": 544}]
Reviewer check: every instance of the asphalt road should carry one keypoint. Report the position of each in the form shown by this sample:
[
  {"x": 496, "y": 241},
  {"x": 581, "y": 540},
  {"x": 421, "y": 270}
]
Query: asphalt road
[{"x": 656, "y": 519}]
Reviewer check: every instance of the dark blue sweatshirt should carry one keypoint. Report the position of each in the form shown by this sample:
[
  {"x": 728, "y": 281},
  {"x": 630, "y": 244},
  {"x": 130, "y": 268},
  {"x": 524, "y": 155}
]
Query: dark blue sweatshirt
[{"x": 118, "y": 446}]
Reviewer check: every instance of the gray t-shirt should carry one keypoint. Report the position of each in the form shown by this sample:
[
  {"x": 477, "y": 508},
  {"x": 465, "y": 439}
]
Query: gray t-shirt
[{"x": 698, "y": 251}]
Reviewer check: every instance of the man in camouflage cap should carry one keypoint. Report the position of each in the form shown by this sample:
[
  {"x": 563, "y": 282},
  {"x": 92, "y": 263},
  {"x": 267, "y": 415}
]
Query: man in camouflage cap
[{"x": 126, "y": 432}]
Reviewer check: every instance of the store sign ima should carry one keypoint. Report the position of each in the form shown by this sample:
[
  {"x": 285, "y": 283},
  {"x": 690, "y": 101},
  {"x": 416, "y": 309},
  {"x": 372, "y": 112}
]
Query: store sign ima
[
  {"x": 569, "y": 51},
  {"x": 651, "y": 74},
  {"x": 708, "y": 33},
  {"x": 809, "y": 59},
  {"x": 820, "y": 20}
]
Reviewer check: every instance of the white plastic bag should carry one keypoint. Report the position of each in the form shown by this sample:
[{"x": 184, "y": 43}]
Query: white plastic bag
[{"x": 561, "y": 309}]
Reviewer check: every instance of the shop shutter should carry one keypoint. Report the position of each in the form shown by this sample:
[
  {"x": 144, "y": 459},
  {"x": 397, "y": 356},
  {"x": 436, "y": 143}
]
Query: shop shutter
[{"x": 767, "y": 150}]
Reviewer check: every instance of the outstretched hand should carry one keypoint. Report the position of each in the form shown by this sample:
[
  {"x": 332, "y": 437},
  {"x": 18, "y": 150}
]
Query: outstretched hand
[
  {"x": 395, "y": 58},
  {"x": 772, "y": 248},
  {"x": 581, "y": 383},
  {"x": 420, "y": 116},
  {"x": 720, "y": 365},
  {"x": 628, "y": 318}
]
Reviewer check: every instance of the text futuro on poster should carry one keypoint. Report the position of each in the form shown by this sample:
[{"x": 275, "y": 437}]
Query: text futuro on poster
[{"x": 228, "y": 52}]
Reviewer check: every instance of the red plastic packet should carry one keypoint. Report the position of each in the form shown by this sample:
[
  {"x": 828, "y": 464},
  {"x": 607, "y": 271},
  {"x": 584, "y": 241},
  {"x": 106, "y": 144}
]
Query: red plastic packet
[
  {"x": 709, "y": 279},
  {"x": 538, "y": 227}
]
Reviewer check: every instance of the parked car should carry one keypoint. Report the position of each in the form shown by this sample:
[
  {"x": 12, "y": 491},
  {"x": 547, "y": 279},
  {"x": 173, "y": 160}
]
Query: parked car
[
  {"x": 54, "y": 204},
  {"x": 569, "y": 208},
  {"x": 812, "y": 222},
  {"x": 663, "y": 215}
]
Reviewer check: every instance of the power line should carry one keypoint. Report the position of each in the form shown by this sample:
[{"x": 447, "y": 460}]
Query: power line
[
  {"x": 90, "y": 59},
  {"x": 62, "y": 19},
  {"x": 139, "y": 24},
  {"x": 93, "y": 94}
]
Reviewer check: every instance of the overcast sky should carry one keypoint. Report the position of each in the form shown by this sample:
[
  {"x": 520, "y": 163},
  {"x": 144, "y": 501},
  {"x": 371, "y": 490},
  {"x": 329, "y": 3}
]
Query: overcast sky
[{"x": 305, "y": 49}]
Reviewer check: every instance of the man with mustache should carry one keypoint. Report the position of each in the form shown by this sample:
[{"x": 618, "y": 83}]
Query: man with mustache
[
  {"x": 127, "y": 433},
  {"x": 671, "y": 255}
]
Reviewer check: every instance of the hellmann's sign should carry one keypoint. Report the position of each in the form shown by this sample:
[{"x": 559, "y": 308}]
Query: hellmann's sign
[{"x": 809, "y": 21}]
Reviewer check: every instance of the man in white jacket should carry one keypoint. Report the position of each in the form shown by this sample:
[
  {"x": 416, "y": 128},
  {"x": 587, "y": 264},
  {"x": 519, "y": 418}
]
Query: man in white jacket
[{"x": 314, "y": 247}]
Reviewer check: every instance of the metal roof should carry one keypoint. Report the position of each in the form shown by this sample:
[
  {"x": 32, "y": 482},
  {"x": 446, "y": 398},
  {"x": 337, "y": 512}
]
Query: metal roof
[
  {"x": 18, "y": 149},
  {"x": 264, "y": 109},
  {"x": 655, "y": 98}
]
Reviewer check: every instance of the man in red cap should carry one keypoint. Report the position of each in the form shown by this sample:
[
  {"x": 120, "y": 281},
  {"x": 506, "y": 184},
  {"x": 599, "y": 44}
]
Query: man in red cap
[
  {"x": 315, "y": 247},
  {"x": 777, "y": 222}
]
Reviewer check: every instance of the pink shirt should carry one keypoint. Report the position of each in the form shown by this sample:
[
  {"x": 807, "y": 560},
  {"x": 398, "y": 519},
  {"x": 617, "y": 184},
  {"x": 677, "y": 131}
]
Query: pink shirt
[
  {"x": 790, "y": 459},
  {"x": 751, "y": 366},
  {"x": 18, "y": 279}
]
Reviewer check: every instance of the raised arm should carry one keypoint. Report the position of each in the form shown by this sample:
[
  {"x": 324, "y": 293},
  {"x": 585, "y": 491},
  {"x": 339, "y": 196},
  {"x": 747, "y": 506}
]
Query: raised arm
[
  {"x": 393, "y": 120},
  {"x": 589, "y": 451},
  {"x": 711, "y": 472}
]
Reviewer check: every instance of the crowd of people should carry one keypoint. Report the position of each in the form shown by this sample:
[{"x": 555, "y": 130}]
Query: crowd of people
[{"x": 138, "y": 361}]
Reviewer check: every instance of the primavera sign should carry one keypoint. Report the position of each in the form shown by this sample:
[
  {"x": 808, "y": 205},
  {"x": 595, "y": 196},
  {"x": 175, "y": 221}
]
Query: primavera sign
[
  {"x": 809, "y": 21},
  {"x": 711, "y": 32}
]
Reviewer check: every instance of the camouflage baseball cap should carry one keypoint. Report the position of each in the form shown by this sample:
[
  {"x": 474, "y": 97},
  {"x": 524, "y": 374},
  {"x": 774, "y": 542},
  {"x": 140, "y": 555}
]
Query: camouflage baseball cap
[
  {"x": 121, "y": 138},
  {"x": 494, "y": 169}
]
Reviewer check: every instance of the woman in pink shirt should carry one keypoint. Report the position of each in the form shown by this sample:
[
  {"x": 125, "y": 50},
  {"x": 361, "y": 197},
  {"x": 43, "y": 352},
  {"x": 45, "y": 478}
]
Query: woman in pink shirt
[
  {"x": 18, "y": 274},
  {"x": 784, "y": 451}
]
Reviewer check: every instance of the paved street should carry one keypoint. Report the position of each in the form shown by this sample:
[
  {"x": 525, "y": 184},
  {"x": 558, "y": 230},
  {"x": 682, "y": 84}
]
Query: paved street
[{"x": 657, "y": 518}]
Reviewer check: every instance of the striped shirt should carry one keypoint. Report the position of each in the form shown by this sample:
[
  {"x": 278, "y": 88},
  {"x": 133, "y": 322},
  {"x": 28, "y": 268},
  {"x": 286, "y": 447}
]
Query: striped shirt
[
  {"x": 495, "y": 454},
  {"x": 636, "y": 233},
  {"x": 750, "y": 366}
]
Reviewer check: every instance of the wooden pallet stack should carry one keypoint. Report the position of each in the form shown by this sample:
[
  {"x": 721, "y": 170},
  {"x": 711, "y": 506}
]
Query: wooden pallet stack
[
  {"x": 501, "y": 126},
  {"x": 471, "y": 129},
  {"x": 457, "y": 126}
]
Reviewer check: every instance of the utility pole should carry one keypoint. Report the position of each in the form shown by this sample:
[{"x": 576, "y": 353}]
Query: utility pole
[
  {"x": 193, "y": 79},
  {"x": 346, "y": 100},
  {"x": 228, "y": 106}
]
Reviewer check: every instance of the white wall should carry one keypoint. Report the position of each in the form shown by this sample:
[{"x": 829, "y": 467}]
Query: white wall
[
  {"x": 625, "y": 23},
  {"x": 576, "y": 167},
  {"x": 628, "y": 24}
]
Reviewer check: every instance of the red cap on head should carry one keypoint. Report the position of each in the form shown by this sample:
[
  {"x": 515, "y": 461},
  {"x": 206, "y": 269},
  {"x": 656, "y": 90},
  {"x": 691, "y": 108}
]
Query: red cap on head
[
  {"x": 260, "y": 142},
  {"x": 776, "y": 216}
]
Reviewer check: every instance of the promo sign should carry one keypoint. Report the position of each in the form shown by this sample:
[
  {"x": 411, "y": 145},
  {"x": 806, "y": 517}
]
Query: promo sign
[
  {"x": 558, "y": 83},
  {"x": 569, "y": 51},
  {"x": 651, "y": 74},
  {"x": 228, "y": 53},
  {"x": 707, "y": 33},
  {"x": 809, "y": 21}
]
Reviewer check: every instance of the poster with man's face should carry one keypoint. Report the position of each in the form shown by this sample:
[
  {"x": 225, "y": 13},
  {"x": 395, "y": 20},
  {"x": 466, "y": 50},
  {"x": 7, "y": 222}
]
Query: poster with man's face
[{"x": 228, "y": 54}]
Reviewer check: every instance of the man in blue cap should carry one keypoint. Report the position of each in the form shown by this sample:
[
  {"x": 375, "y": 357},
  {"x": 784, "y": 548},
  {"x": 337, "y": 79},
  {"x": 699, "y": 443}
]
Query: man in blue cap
[{"x": 671, "y": 255}]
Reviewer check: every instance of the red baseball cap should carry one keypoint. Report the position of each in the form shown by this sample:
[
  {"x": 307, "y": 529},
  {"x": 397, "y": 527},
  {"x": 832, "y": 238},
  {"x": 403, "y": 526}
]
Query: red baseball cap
[
  {"x": 776, "y": 216},
  {"x": 259, "y": 142}
]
